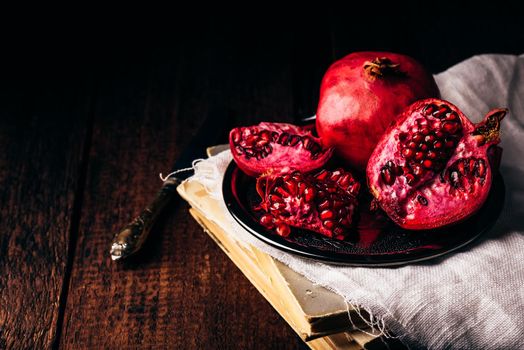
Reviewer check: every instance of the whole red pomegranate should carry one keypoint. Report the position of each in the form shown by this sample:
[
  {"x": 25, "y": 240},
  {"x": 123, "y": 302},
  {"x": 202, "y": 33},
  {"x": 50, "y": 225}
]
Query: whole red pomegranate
[
  {"x": 323, "y": 203},
  {"x": 361, "y": 95},
  {"x": 433, "y": 167},
  {"x": 259, "y": 148}
]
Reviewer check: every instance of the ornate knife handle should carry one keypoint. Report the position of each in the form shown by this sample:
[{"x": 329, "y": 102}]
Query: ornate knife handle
[{"x": 131, "y": 238}]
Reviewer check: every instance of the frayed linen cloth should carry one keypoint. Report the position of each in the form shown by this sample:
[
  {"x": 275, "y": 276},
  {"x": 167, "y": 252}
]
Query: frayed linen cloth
[{"x": 469, "y": 299}]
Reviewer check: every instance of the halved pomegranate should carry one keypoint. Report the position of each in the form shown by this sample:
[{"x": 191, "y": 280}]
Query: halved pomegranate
[
  {"x": 265, "y": 146},
  {"x": 324, "y": 202},
  {"x": 433, "y": 167}
]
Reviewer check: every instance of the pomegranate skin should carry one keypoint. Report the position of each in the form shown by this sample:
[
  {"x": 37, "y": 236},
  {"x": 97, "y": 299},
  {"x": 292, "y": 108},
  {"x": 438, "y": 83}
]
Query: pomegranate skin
[
  {"x": 455, "y": 183},
  {"x": 361, "y": 94}
]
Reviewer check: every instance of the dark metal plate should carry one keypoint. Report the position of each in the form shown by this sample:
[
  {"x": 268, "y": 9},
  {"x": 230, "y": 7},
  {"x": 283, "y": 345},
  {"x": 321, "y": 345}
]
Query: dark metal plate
[{"x": 376, "y": 241}]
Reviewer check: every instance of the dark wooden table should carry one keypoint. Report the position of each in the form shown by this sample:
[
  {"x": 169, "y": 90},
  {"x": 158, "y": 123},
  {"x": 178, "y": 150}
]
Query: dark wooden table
[{"x": 87, "y": 125}]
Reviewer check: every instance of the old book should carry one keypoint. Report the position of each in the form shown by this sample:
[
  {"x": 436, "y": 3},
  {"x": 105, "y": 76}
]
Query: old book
[
  {"x": 272, "y": 286},
  {"x": 320, "y": 317}
]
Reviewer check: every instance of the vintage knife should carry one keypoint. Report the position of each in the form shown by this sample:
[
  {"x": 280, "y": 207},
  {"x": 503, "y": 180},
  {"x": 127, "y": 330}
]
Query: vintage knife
[{"x": 131, "y": 238}]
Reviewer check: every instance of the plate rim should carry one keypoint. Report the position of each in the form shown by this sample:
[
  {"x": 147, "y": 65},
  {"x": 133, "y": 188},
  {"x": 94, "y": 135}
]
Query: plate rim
[{"x": 353, "y": 260}]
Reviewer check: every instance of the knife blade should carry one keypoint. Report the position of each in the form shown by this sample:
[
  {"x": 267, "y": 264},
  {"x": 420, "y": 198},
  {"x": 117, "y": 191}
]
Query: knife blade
[{"x": 132, "y": 237}]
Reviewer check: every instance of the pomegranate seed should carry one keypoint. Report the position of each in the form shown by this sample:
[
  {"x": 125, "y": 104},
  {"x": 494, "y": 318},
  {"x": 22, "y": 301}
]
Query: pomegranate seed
[
  {"x": 419, "y": 155},
  {"x": 275, "y": 198},
  {"x": 437, "y": 124},
  {"x": 265, "y": 135},
  {"x": 332, "y": 189},
  {"x": 322, "y": 175},
  {"x": 344, "y": 181},
  {"x": 337, "y": 204},
  {"x": 429, "y": 109},
  {"x": 417, "y": 138},
  {"x": 283, "y": 138},
  {"x": 450, "y": 127},
  {"x": 261, "y": 143},
  {"x": 291, "y": 187},
  {"x": 239, "y": 150},
  {"x": 428, "y": 164},
  {"x": 328, "y": 224},
  {"x": 481, "y": 168},
  {"x": 236, "y": 136},
  {"x": 461, "y": 168},
  {"x": 335, "y": 175},
  {"x": 412, "y": 145},
  {"x": 338, "y": 231},
  {"x": 429, "y": 138},
  {"x": 450, "y": 143},
  {"x": 472, "y": 163},
  {"x": 418, "y": 170},
  {"x": 301, "y": 186},
  {"x": 440, "y": 112},
  {"x": 432, "y": 155},
  {"x": 439, "y": 134},
  {"x": 410, "y": 179},
  {"x": 344, "y": 222},
  {"x": 324, "y": 205},
  {"x": 387, "y": 176},
  {"x": 283, "y": 230},
  {"x": 281, "y": 191},
  {"x": 309, "y": 194},
  {"x": 267, "y": 220},
  {"x": 326, "y": 214},
  {"x": 423, "y": 147},
  {"x": 408, "y": 153},
  {"x": 452, "y": 116},
  {"x": 438, "y": 145},
  {"x": 251, "y": 140},
  {"x": 294, "y": 140},
  {"x": 424, "y": 131},
  {"x": 306, "y": 142},
  {"x": 353, "y": 190}
]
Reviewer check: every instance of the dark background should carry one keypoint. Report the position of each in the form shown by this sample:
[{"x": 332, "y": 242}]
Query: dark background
[{"x": 94, "y": 103}]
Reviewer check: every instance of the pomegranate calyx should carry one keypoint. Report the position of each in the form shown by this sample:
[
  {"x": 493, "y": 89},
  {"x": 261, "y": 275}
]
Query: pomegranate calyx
[
  {"x": 488, "y": 131},
  {"x": 382, "y": 67}
]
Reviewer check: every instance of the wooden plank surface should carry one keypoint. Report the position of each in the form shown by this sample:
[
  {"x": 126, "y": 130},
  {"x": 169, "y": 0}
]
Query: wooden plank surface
[
  {"x": 181, "y": 289},
  {"x": 43, "y": 129}
]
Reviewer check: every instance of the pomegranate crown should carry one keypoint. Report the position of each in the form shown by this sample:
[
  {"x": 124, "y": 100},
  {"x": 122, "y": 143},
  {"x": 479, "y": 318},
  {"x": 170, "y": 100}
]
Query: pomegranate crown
[
  {"x": 488, "y": 131},
  {"x": 381, "y": 67}
]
